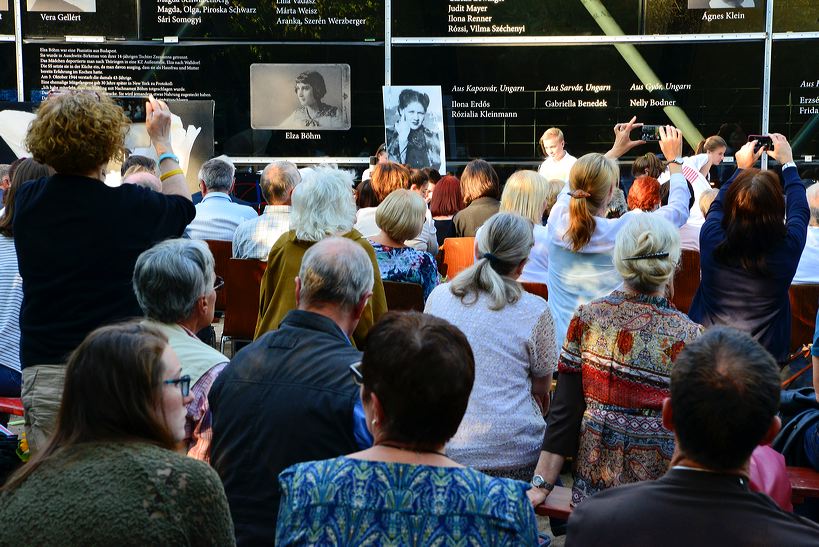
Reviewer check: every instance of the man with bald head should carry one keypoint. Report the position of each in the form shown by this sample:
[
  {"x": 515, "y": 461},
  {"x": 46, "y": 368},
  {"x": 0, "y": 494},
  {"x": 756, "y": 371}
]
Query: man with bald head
[
  {"x": 255, "y": 237},
  {"x": 808, "y": 269}
]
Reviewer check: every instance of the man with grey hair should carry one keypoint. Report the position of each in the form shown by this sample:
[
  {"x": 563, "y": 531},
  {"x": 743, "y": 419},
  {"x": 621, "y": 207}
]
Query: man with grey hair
[
  {"x": 255, "y": 237},
  {"x": 217, "y": 217},
  {"x": 808, "y": 269},
  {"x": 176, "y": 286},
  {"x": 289, "y": 397}
]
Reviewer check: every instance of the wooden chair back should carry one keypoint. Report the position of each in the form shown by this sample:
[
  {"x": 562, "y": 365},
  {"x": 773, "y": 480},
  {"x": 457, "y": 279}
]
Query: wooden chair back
[
  {"x": 686, "y": 280},
  {"x": 539, "y": 289},
  {"x": 404, "y": 296},
  {"x": 804, "y": 302},
  {"x": 243, "y": 279},
  {"x": 459, "y": 254},
  {"x": 222, "y": 251}
]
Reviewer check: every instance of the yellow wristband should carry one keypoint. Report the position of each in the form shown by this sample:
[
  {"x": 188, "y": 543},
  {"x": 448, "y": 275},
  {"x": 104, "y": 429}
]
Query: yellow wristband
[{"x": 171, "y": 173}]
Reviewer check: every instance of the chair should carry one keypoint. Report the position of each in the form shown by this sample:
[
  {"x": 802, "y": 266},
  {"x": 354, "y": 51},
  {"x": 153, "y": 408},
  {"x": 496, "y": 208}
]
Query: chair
[
  {"x": 686, "y": 280},
  {"x": 11, "y": 405},
  {"x": 459, "y": 254},
  {"x": 539, "y": 289},
  {"x": 804, "y": 302},
  {"x": 222, "y": 251},
  {"x": 804, "y": 484},
  {"x": 404, "y": 296},
  {"x": 243, "y": 280}
]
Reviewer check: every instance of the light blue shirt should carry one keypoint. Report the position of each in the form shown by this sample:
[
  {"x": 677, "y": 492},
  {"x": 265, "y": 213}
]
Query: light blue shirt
[{"x": 217, "y": 217}]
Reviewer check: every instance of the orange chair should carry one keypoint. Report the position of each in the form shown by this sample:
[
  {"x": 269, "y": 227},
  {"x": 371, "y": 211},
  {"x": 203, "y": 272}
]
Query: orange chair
[
  {"x": 222, "y": 251},
  {"x": 243, "y": 280},
  {"x": 686, "y": 280},
  {"x": 459, "y": 254},
  {"x": 404, "y": 296},
  {"x": 804, "y": 302},
  {"x": 539, "y": 289}
]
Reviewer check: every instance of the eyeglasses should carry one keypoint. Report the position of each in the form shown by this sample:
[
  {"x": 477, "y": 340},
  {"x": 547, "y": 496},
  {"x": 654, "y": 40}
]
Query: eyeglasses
[
  {"x": 184, "y": 383},
  {"x": 218, "y": 283},
  {"x": 355, "y": 371}
]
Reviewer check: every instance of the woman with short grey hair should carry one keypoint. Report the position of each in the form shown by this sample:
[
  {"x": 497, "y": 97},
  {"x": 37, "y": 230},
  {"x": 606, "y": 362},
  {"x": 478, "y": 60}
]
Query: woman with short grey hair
[{"x": 512, "y": 336}]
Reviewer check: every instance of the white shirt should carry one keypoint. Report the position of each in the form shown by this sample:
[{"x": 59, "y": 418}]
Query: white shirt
[
  {"x": 427, "y": 240},
  {"x": 255, "y": 237},
  {"x": 808, "y": 269},
  {"x": 537, "y": 267},
  {"x": 11, "y": 297},
  {"x": 217, "y": 217},
  {"x": 557, "y": 169}
]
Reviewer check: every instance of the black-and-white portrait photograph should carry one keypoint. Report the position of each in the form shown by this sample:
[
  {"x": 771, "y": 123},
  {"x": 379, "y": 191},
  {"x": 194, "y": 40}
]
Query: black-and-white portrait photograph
[
  {"x": 300, "y": 96},
  {"x": 721, "y": 4},
  {"x": 414, "y": 123},
  {"x": 82, "y": 6}
]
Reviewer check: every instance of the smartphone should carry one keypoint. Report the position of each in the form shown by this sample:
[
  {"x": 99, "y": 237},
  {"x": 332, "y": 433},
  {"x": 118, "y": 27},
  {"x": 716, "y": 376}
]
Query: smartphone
[
  {"x": 650, "y": 133},
  {"x": 134, "y": 107},
  {"x": 762, "y": 141}
]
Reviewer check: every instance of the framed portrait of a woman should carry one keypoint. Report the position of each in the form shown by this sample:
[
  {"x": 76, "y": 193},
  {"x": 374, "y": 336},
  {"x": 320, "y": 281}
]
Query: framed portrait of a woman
[
  {"x": 414, "y": 126},
  {"x": 300, "y": 96}
]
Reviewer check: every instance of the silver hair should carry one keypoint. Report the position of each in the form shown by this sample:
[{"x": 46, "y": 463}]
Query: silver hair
[
  {"x": 278, "y": 179},
  {"x": 813, "y": 203},
  {"x": 323, "y": 205},
  {"x": 643, "y": 236},
  {"x": 503, "y": 242},
  {"x": 170, "y": 277},
  {"x": 337, "y": 271},
  {"x": 217, "y": 174}
]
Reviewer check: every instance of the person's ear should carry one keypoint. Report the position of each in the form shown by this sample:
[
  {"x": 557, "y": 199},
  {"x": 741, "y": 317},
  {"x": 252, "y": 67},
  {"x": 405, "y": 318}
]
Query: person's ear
[
  {"x": 298, "y": 291},
  {"x": 773, "y": 430},
  {"x": 203, "y": 188},
  {"x": 519, "y": 270},
  {"x": 668, "y": 416},
  {"x": 358, "y": 311}
]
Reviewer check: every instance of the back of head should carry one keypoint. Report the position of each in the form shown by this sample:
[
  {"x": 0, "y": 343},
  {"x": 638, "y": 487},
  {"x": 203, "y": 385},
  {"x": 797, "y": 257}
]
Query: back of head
[
  {"x": 136, "y": 174},
  {"x": 503, "y": 242},
  {"x": 77, "y": 132},
  {"x": 753, "y": 220},
  {"x": 424, "y": 388},
  {"x": 525, "y": 193},
  {"x": 217, "y": 175},
  {"x": 647, "y": 164},
  {"x": 387, "y": 177},
  {"x": 447, "y": 199},
  {"x": 278, "y": 180},
  {"x": 478, "y": 180},
  {"x": 707, "y": 198},
  {"x": 23, "y": 170},
  {"x": 591, "y": 180},
  {"x": 418, "y": 178},
  {"x": 644, "y": 194},
  {"x": 171, "y": 276},
  {"x": 813, "y": 203},
  {"x": 646, "y": 253},
  {"x": 336, "y": 272},
  {"x": 364, "y": 195},
  {"x": 136, "y": 160},
  {"x": 322, "y": 205},
  {"x": 724, "y": 395},
  {"x": 401, "y": 215}
]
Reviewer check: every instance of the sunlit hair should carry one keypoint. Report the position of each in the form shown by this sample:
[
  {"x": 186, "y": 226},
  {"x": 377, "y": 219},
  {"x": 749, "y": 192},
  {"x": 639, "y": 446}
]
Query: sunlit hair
[
  {"x": 278, "y": 180},
  {"x": 646, "y": 235},
  {"x": 595, "y": 174},
  {"x": 647, "y": 164},
  {"x": 503, "y": 242},
  {"x": 113, "y": 388},
  {"x": 753, "y": 220},
  {"x": 525, "y": 193},
  {"x": 813, "y": 203},
  {"x": 644, "y": 194},
  {"x": 337, "y": 271},
  {"x": 553, "y": 188},
  {"x": 27, "y": 169},
  {"x": 401, "y": 215},
  {"x": 446, "y": 200},
  {"x": 388, "y": 176},
  {"x": 135, "y": 160},
  {"x": 551, "y": 133},
  {"x": 706, "y": 199},
  {"x": 710, "y": 144},
  {"x": 323, "y": 204},
  {"x": 478, "y": 180},
  {"x": 76, "y": 133}
]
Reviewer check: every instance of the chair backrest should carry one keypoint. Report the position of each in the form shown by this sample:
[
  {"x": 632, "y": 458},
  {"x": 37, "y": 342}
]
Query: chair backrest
[
  {"x": 804, "y": 302},
  {"x": 459, "y": 254},
  {"x": 243, "y": 279},
  {"x": 539, "y": 289},
  {"x": 686, "y": 280},
  {"x": 404, "y": 296},
  {"x": 222, "y": 251}
]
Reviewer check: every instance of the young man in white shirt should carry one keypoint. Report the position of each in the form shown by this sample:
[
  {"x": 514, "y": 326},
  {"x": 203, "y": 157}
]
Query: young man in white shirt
[{"x": 558, "y": 162}]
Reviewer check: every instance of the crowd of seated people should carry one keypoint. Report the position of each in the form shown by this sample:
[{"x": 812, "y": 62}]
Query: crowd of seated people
[{"x": 343, "y": 424}]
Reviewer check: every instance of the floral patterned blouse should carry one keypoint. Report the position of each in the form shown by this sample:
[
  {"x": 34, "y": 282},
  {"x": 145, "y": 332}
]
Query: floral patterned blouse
[
  {"x": 407, "y": 265},
  {"x": 356, "y": 502}
]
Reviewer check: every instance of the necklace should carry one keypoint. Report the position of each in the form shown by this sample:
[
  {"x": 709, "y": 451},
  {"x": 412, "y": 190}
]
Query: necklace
[{"x": 395, "y": 446}]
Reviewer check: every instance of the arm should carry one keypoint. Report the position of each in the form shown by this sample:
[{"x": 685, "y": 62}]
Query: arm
[
  {"x": 622, "y": 139},
  {"x": 796, "y": 202},
  {"x": 158, "y": 125},
  {"x": 542, "y": 359},
  {"x": 677, "y": 210},
  {"x": 540, "y": 391}
]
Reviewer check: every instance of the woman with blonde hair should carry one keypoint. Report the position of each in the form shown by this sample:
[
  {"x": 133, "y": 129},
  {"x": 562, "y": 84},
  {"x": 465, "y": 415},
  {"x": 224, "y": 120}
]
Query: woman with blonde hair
[
  {"x": 480, "y": 189},
  {"x": 615, "y": 371},
  {"x": 530, "y": 195},
  {"x": 400, "y": 217},
  {"x": 581, "y": 239},
  {"x": 512, "y": 336}
]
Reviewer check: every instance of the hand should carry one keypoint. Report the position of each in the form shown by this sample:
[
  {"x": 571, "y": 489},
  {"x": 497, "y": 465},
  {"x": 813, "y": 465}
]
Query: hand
[
  {"x": 402, "y": 127},
  {"x": 622, "y": 139},
  {"x": 781, "y": 149},
  {"x": 158, "y": 124},
  {"x": 746, "y": 157},
  {"x": 542, "y": 400},
  {"x": 670, "y": 142},
  {"x": 537, "y": 495}
]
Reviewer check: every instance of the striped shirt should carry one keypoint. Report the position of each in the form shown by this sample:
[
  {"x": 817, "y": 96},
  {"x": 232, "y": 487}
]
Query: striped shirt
[{"x": 11, "y": 297}]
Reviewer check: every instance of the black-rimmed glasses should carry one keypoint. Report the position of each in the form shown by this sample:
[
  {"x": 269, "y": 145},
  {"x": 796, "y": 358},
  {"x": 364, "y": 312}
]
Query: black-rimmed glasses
[
  {"x": 184, "y": 383},
  {"x": 355, "y": 371}
]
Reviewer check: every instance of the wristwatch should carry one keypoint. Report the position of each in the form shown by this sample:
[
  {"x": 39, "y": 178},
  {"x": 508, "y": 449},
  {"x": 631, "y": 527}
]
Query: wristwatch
[
  {"x": 540, "y": 482},
  {"x": 678, "y": 161}
]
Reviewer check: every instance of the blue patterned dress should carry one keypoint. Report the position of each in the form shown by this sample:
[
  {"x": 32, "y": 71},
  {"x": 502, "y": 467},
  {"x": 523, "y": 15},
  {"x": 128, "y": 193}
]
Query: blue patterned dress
[
  {"x": 356, "y": 502},
  {"x": 407, "y": 265}
]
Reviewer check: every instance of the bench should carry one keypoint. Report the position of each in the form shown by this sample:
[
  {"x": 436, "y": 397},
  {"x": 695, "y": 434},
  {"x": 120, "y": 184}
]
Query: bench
[
  {"x": 11, "y": 405},
  {"x": 804, "y": 484},
  {"x": 557, "y": 505}
]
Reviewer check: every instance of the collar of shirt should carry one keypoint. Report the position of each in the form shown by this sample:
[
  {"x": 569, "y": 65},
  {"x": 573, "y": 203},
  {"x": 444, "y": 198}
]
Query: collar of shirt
[
  {"x": 216, "y": 195},
  {"x": 276, "y": 209}
]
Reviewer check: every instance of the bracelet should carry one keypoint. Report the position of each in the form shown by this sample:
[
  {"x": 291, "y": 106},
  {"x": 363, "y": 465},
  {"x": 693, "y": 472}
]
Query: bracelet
[
  {"x": 168, "y": 156},
  {"x": 169, "y": 174}
]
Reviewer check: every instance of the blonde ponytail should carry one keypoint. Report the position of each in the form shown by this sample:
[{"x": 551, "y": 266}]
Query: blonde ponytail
[{"x": 591, "y": 180}]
